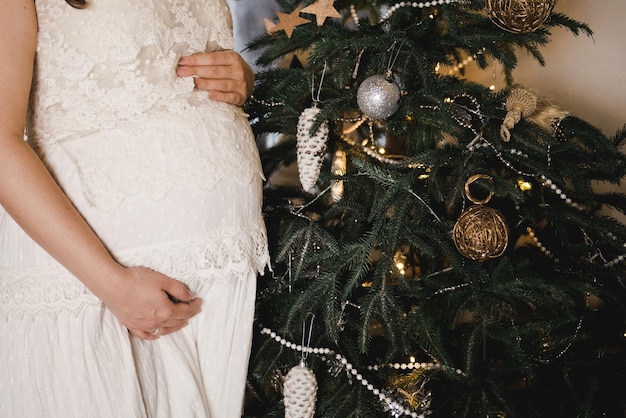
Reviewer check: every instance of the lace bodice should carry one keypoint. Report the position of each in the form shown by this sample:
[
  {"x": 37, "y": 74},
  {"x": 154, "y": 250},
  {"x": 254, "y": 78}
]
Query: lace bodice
[
  {"x": 115, "y": 61},
  {"x": 105, "y": 89}
]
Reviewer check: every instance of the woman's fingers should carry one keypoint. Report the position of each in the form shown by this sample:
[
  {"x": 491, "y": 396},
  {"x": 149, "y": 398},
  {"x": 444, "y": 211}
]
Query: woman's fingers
[
  {"x": 157, "y": 332},
  {"x": 223, "y": 74},
  {"x": 223, "y": 90},
  {"x": 145, "y": 300}
]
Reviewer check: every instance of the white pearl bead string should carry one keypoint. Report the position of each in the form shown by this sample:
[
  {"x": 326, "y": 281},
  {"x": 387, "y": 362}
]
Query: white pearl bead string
[
  {"x": 415, "y": 5},
  {"x": 617, "y": 260},
  {"x": 399, "y": 409},
  {"x": 549, "y": 184},
  {"x": 539, "y": 245},
  {"x": 265, "y": 102},
  {"x": 370, "y": 151}
]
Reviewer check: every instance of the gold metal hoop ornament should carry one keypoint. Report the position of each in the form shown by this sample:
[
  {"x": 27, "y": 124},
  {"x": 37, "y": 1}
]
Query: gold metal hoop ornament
[
  {"x": 469, "y": 195},
  {"x": 481, "y": 232}
]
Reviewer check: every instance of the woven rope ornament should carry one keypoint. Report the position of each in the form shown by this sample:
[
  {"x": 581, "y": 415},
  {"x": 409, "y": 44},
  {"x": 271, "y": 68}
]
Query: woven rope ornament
[
  {"x": 481, "y": 232},
  {"x": 520, "y": 16},
  {"x": 520, "y": 103}
]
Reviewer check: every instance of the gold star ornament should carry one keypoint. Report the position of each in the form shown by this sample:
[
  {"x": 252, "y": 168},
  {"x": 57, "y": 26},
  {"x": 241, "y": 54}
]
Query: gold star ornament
[
  {"x": 322, "y": 9},
  {"x": 289, "y": 21},
  {"x": 269, "y": 25}
]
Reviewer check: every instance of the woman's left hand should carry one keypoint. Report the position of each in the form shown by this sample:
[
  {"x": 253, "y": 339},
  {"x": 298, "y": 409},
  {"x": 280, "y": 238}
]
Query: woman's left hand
[{"x": 224, "y": 74}]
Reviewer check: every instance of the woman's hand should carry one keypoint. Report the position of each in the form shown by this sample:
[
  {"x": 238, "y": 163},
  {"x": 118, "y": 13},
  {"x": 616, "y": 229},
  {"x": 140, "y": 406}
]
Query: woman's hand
[
  {"x": 150, "y": 304},
  {"x": 224, "y": 74}
]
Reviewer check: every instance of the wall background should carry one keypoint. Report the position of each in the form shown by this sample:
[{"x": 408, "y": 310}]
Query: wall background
[
  {"x": 248, "y": 22},
  {"x": 585, "y": 75}
]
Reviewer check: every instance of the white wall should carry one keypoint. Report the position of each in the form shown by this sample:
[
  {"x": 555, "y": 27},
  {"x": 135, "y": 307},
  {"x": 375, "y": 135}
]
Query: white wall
[
  {"x": 248, "y": 22},
  {"x": 585, "y": 75}
]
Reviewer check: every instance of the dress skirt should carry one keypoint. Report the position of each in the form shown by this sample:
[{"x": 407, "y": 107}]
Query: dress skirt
[{"x": 63, "y": 354}]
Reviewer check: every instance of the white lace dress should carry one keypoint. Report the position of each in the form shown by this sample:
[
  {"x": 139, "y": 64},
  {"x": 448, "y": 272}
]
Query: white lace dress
[{"x": 169, "y": 180}]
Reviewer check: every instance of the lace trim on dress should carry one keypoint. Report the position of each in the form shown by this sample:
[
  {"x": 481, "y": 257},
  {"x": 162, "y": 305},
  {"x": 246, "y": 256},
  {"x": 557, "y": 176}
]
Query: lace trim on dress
[{"x": 26, "y": 293}]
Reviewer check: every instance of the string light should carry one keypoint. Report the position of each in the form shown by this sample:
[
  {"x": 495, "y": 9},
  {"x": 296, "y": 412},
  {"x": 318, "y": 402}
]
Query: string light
[{"x": 457, "y": 67}]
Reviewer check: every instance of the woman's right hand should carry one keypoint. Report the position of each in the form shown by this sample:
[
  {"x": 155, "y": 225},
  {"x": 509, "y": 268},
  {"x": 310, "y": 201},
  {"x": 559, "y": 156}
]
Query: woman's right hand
[{"x": 150, "y": 304}]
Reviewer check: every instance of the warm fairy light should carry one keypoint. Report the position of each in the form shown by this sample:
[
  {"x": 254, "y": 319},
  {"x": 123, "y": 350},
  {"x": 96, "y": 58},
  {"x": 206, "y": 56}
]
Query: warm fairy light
[
  {"x": 400, "y": 267},
  {"x": 411, "y": 359},
  {"x": 524, "y": 185},
  {"x": 381, "y": 150},
  {"x": 457, "y": 67},
  {"x": 338, "y": 168},
  {"x": 400, "y": 260},
  {"x": 492, "y": 87}
]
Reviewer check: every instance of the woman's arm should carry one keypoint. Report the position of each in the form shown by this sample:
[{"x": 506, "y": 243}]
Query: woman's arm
[{"x": 138, "y": 297}]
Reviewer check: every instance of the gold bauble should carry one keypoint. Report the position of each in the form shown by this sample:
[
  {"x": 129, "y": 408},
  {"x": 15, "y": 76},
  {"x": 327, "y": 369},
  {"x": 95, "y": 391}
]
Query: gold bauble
[
  {"x": 481, "y": 232},
  {"x": 519, "y": 16}
]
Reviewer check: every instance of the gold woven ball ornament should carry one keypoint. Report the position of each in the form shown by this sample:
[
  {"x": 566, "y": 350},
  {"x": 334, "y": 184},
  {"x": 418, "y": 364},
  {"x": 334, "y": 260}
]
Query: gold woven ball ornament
[
  {"x": 481, "y": 232},
  {"x": 519, "y": 16}
]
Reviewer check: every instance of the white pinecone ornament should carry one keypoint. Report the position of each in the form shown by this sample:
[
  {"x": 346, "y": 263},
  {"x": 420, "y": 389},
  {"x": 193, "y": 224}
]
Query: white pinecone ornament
[
  {"x": 310, "y": 147},
  {"x": 300, "y": 392}
]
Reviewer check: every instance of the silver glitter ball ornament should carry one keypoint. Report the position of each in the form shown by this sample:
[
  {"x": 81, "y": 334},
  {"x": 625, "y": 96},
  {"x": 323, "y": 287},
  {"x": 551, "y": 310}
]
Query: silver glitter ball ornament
[{"x": 378, "y": 97}]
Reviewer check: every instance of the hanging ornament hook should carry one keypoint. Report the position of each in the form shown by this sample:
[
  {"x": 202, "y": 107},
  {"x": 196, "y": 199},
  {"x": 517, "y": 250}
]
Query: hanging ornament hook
[
  {"x": 393, "y": 57},
  {"x": 316, "y": 98},
  {"x": 306, "y": 339}
]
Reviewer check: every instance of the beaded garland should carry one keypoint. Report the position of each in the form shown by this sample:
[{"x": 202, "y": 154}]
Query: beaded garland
[
  {"x": 399, "y": 409},
  {"x": 416, "y": 5},
  {"x": 618, "y": 259}
]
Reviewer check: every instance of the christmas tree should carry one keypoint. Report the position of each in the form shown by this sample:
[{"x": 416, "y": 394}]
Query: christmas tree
[{"x": 439, "y": 248}]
